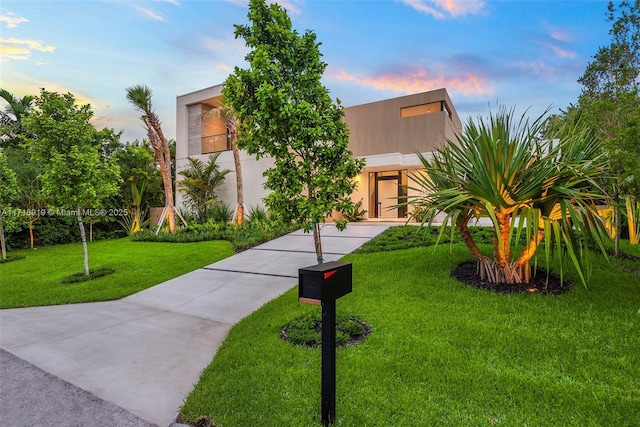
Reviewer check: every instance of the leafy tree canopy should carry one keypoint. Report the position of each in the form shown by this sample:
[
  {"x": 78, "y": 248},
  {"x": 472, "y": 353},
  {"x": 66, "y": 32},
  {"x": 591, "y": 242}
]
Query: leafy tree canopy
[
  {"x": 76, "y": 176},
  {"x": 285, "y": 112}
]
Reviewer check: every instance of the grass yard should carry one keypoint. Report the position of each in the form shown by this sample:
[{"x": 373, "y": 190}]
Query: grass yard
[
  {"x": 36, "y": 279},
  {"x": 440, "y": 353}
]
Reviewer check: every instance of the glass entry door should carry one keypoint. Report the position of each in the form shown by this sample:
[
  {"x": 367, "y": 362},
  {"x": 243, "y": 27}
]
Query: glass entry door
[{"x": 386, "y": 190}]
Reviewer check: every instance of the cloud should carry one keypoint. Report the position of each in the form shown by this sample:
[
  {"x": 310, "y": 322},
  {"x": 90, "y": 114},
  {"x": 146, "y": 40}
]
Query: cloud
[
  {"x": 420, "y": 80},
  {"x": 560, "y": 52},
  {"x": 292, "y": 6},
  {"x": 150, "y": 14},
  {"x": 560, "y": 35},
  {"x": 441, "y": 8},
  {"x": 173, "y": 2},
  {"x": 12, "y": 20},
  {"x": 20, "y": 49}
]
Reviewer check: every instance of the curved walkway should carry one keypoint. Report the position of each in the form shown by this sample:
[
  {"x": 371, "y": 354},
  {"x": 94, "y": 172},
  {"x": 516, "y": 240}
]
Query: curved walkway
[{"x": 134, "y": 360}]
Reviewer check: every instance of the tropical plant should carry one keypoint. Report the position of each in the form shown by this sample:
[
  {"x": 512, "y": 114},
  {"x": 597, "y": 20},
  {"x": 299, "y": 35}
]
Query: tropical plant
[
  {"x": 140, "y": 97},
  {"x": 221, "y": 213},
  {"x": 135, "y": 218},
  {"x": 257, "y": 214},
  {"x": 633, "y": 219},
  {"x": 286, "y": 113},
  {"x": 231, "y": 122},
  {"x": 498, "y": 168},
  {"x": 11, "y": 118},
  {"x": 354, "y": 213},
  {"x": 200, "y": 184}
]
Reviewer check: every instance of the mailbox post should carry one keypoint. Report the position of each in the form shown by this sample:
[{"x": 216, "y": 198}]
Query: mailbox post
[{"x": 323, "y": 284}]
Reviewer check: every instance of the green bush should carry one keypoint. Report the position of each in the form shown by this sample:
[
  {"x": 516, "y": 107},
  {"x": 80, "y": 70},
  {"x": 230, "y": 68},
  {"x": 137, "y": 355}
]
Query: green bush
[
  {"x": 257, "y": 214},
  {"x": 242, "y": 236},
  {"x": 354, "y": 214},
  {"x": 61, "y": 229},
  {"x": 220, "y": 212}
]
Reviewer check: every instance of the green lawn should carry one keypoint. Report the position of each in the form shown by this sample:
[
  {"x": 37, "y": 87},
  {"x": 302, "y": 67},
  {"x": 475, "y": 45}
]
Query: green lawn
[
  {"x": 36, "y": 279},
  {"x": 441, "y": 353}
]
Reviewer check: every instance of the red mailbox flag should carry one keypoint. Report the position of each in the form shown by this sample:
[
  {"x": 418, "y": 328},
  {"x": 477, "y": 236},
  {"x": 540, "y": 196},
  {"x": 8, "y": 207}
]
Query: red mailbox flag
[{"x": 329, "y": 274}]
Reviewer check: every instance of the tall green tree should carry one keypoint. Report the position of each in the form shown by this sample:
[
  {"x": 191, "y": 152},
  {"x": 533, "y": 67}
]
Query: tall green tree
[
  {"x": 200, "y": 184},
  {"x": 76, "y": 177},
  {"x": 286, "y": 113},
  {"x": 31, "y": 201},
  {"x": 498, "y": 168},
  {"x": 610, "y": 104},
  {"x": 140, "y": 97},
  {"x": 8, "y": 193}
]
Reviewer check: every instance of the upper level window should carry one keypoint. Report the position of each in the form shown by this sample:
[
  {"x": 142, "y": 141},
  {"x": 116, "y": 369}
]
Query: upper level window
[
  {"x": 419, "y": 110},
  {"x": 215, "y": 143}
]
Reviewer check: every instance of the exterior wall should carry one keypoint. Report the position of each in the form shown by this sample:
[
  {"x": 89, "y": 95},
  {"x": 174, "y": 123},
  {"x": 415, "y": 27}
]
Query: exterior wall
[
  {"x": 189, "y": 142},
  {"x": 379, "y": 128},
  {"x": 387, "y": 134},
  {"x": 384, "y": 163}
]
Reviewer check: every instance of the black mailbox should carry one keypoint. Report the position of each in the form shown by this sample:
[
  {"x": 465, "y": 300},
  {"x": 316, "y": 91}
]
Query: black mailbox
[{"x": 324, "y": 282}]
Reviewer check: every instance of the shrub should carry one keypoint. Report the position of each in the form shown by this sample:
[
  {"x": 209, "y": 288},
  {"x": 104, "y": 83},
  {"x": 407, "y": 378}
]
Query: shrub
[
  {"x": 307, "y": 330},
  {"x": 221, "y": 212},
  {"x": 354, "y": 214},
  {"x": 257, "y": 214}
]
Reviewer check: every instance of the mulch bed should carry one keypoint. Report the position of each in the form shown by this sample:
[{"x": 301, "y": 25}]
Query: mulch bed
[
  {"x": 540, "y": 283},
  {"x": 353, "y": 339}
]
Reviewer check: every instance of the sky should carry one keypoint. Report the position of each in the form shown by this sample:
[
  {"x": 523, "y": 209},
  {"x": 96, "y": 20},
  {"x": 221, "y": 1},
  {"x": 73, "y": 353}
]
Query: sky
[{"x": 486, "y": 53}]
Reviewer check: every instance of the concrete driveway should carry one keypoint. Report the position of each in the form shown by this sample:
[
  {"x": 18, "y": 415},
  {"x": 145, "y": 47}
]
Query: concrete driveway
[{"x": 135, "y": 360}]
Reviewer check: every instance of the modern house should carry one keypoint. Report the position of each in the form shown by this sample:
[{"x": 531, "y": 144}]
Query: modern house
[{"x": 387, "y": 134}]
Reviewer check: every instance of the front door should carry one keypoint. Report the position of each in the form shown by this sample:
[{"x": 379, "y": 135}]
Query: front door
[{"x": 386, "y": 190}]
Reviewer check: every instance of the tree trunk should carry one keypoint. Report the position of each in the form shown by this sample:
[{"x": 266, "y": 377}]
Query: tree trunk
[
  {"x": 318, "y": 242},
  {"x": 2, "y": 243},
  {"x": 83, "y": 237},
  {"x": 616, "y": 219},
  {"x": 163, "y": 156},
  {"x": 529, "y": 251},
  {"x": 239, "y": 187},
  {"x": 31, "y": 242},
  {"x": 463, "y": 228},
  {"x": 501, "y": 248},
  {"x": 631, "y": 221}
]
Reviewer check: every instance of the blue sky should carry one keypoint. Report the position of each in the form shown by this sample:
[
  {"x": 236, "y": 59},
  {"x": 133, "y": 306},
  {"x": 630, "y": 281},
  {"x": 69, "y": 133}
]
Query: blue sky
[{"x": 487, "y": 53}]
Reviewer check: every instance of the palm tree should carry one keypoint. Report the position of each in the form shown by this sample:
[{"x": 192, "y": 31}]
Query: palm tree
[
  {"x": 226, "y": 111},
  {"x": 200, "y": 184},
  {"x": 140, "y": 97},
  {"x": 14, "y": 111},
  {"x": 499, "y": 169}
]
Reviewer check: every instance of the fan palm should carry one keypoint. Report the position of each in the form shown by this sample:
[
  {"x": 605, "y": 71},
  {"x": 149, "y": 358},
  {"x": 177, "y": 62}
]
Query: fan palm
[
  {"x": 498, "y": 168},
  {"x": 140, "y": 97},
  {"x": 200, "y": 184}
]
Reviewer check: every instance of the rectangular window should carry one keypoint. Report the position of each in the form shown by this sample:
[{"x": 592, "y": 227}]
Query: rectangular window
[
  {"x": 419, "y": 110},
  {"x": 215, "y": 143}
]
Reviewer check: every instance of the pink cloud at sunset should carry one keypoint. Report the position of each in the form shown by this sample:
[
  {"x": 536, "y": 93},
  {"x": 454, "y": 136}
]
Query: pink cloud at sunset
[
  {"x": 438, "y": 8},
  {"x": 419, "y": 80}
]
